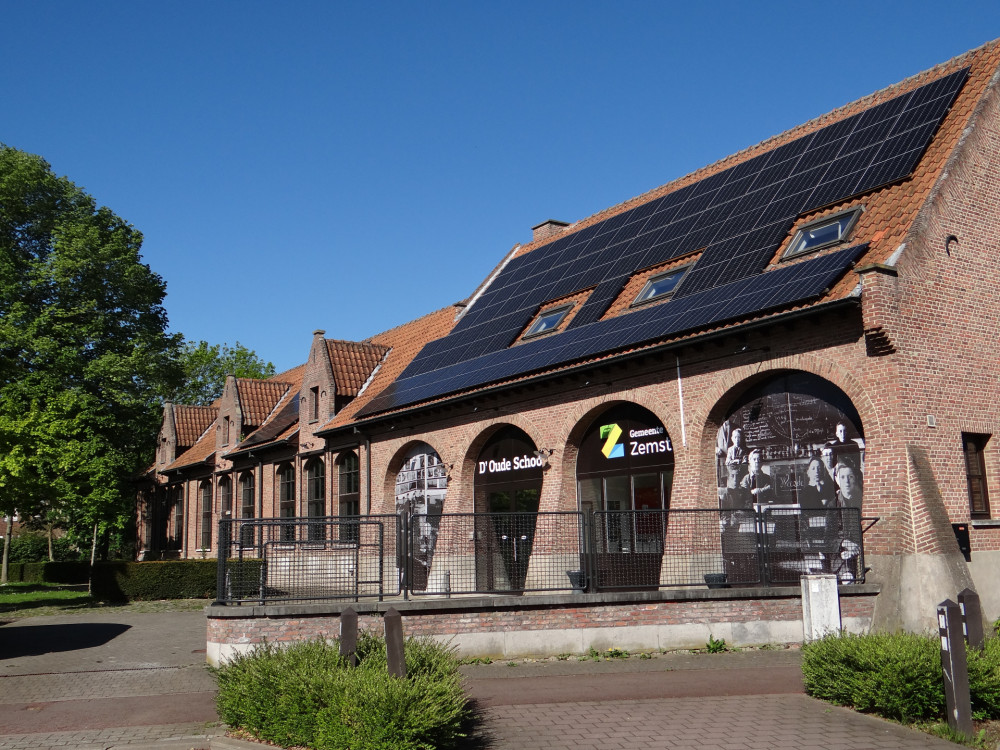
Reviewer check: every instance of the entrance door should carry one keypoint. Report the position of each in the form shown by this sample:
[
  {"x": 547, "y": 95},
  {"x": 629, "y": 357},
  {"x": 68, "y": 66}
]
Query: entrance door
[
  {"x": 508, "y": 489},
  {"x": 513, "y": 516}
]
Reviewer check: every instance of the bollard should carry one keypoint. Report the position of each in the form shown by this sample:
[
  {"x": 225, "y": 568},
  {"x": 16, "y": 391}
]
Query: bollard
[
  {"x": 972, "y": 617},
  {"x": 349, "y": 636},
  {"x": 956, "y": 670},
  {"x": 394, "y": 643}
]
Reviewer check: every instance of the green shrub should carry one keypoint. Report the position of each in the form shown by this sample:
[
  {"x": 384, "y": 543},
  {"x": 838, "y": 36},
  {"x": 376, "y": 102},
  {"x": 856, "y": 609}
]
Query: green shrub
[
  {"x": 307, "y": 695},
  {"x": 896, "y": 675},
  {"x": 49, "y": 572},
  {"x": 174, "y": 579},
  {"x": 984, "y": 680}
]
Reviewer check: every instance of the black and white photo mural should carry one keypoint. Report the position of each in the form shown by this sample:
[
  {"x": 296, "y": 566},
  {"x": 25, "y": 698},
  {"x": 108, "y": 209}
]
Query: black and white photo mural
[
  {"x": 790, "y": 459},
  {"x": 421, "y": 485}
]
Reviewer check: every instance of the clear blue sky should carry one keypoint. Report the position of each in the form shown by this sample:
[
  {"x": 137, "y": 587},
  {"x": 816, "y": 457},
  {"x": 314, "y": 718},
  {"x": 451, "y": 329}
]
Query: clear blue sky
[{"x": 350, "y": 167}]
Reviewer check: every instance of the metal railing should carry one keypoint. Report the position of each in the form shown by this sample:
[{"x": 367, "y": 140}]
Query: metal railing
[
  {"x": 494, "y": 553},
  {"x": 350, "y": 558},
  {"x": 298, "y": 559}
]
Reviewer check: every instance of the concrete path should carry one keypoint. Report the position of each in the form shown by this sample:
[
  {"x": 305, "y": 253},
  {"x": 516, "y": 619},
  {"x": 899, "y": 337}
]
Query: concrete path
[{"x": 138, "y": 681}]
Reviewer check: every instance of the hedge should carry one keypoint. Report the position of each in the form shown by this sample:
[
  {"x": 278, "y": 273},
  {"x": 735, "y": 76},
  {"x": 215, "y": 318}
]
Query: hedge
[
  {"x": 171, "y": 579},
  {"x": 897, "y": 675},
  {"x": 48, "y": 572}
]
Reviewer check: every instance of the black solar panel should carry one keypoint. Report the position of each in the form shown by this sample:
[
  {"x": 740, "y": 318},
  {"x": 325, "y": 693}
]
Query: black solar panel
[
  {"x": 785, "y": 286},
  {"x": 738, "y": 217}
]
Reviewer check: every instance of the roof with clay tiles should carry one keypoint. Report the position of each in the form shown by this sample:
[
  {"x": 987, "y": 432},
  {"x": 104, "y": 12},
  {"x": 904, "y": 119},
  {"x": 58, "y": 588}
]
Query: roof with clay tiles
[
  {"x": 191, "y": 422},
  {"x": 258, "y": 398},
  {"x": 353, "y": 362},
  {"x": 289, "y": 383}
]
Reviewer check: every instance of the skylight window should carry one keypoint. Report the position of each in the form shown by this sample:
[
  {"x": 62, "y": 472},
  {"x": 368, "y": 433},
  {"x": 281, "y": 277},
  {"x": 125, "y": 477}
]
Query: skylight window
[
  {"x": 661, "y": 286},
  {"x": 547, "y": 320},
  {"x": 822, "y": 233}
]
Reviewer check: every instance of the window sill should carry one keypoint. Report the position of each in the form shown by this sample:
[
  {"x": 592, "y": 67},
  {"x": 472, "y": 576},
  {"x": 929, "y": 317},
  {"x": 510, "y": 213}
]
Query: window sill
[{"x": 985, "y": 523}]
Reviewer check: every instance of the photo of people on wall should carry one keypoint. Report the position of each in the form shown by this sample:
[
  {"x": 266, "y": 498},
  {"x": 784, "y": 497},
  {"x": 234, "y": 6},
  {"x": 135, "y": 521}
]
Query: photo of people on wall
[{"x": 791, "y": 452}]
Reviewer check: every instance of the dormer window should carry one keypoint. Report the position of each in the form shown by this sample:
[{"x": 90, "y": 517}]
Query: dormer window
[
  {"x": 823, "y": 233},
  {"x": 548, "y": 320},
  {"x": 661, "y": 286}
]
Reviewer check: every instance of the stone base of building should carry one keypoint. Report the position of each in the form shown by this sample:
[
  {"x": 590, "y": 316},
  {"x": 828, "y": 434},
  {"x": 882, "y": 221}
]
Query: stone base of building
[{"x": 533, "y": 625}]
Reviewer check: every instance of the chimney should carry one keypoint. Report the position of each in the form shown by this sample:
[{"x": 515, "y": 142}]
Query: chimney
[{"x": 547, "y": 229}]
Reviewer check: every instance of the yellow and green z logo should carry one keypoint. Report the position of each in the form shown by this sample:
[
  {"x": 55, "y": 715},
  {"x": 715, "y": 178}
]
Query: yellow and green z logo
[{"x": 612, "y": 448}]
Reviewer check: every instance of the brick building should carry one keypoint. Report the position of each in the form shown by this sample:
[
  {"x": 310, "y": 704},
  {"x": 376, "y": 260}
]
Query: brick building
[{"x": 805, "y": 325}]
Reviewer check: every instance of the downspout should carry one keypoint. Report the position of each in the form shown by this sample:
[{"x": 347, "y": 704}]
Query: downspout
[
  {"x": 260, "y": 502},
  {"x": 368, "y": 474},
  {"x": 680, "y": 399},
  {"x": 187, "y": 520}
]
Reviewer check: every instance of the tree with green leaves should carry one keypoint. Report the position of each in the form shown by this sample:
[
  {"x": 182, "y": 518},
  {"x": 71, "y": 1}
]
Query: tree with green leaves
[
  {"x": 84, "y": 351},
  {"x": 206, "y": 366}
]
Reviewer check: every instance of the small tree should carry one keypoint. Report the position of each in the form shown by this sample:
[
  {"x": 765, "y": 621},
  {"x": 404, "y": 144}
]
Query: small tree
[
  {"x": 206, "y": 366},
  {"x": 84, "y": 352}
]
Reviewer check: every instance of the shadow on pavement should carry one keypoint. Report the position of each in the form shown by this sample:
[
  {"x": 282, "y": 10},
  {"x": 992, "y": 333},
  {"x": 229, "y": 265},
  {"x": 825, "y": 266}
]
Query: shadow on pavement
[{"x": 34, "y": 640}]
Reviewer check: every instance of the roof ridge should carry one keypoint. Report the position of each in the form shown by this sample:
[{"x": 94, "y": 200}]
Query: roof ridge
[
  {"x": 366, "y": 342},
  {"x": 271, "y": 381},
  {"x": 841, "y": 112}
]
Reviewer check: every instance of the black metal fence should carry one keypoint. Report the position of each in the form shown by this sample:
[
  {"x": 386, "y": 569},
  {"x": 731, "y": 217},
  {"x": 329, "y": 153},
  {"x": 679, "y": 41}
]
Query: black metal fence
[
  {"x": 298, "y": 559},
  {"x": 294, "y": 559}
]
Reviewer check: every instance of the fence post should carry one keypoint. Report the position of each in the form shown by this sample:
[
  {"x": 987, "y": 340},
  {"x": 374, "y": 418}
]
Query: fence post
[
  {"x": 404, "y": 533},
  {"x": 972, "y": 617},
  {"x": 590, "y": 551},
  {"x": 956, "y": 670},
  {"x": 381, "y": 557},
  {"x": 761, "y": 528},
  {"x": 349, "y": 635},
  {"x": 220, "y": 575},
  {"x": 394, "y": 643}
]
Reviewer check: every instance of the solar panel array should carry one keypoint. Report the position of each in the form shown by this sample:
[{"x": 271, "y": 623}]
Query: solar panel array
[{"x": 739, "y": 216}]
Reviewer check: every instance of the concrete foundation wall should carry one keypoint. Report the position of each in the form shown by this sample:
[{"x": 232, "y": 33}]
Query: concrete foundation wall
[{"x": 510, "y": 627}]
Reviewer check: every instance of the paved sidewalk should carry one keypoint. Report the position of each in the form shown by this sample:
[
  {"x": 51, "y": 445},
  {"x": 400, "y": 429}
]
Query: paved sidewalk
[
  {"x": 106, "y": 680},
  {"x": 138, "y": 681}
]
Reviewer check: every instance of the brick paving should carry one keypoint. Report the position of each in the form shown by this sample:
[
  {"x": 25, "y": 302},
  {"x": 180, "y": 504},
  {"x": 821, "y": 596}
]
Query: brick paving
[
  {"x": 768, "y": 722},
  {"x": 114, "y": 681}
]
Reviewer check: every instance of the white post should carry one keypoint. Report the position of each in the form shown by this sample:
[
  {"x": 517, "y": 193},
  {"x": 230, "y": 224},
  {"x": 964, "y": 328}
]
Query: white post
[{"x": 820, "y": 606}]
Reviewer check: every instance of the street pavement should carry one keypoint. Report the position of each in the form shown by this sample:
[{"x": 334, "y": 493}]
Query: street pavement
[{"x": 138, "y": 681}]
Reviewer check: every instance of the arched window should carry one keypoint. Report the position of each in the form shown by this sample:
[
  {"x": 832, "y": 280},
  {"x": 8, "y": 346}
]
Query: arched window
[
  {"x": 316, "y": 496},
  {"x": 421, "y": 484},
  {"x": 791, "y": 448},
  {"x": 286, "y": 499},
  {"x": 349, "y": 491},
  {"x": 247, "y": 495},
  {"x": 206, "y": 515},
  {"x": 246, "y": 509},
  {"x": 225, "y": 497},
  {"x": 176, "y": 536},
  {"x": 624, "y": 472}
]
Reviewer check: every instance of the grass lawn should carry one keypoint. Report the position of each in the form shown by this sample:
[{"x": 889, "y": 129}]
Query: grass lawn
[{"x": 34, "y": 599}]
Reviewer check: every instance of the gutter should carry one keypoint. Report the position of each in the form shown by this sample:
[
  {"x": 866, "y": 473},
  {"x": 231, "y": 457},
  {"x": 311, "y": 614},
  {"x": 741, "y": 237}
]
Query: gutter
[{"x": 750, "y": 326}]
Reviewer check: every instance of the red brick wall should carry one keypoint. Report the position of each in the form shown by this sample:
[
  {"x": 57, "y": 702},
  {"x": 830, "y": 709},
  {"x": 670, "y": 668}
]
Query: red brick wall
[{"x": 292, "y": 628}]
